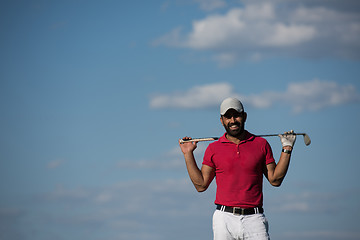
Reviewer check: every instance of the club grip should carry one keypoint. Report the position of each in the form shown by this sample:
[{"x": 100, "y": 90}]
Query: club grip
[{"x": 199, "y": 139}]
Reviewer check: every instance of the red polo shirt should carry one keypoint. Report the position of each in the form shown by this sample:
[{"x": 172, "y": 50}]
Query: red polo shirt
[{"x": 239, "y": 170}]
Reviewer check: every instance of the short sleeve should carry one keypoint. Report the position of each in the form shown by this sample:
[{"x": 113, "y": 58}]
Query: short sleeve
[
  {"x": 269, "y": 158},
  {"x": 208, "y": 157}
]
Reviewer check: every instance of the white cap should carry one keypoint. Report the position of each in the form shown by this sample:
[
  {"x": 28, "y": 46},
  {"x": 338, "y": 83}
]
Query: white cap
[{"x": 231, "y": 103}]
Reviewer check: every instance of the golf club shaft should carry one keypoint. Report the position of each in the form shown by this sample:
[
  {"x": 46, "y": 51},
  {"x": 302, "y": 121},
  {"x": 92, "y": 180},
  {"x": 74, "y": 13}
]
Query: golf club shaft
[{"x": 273, "y": 135}]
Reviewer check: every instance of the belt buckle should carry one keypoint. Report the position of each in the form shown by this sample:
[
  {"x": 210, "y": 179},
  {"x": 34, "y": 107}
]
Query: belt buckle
[{"x": 242, "y": 211}]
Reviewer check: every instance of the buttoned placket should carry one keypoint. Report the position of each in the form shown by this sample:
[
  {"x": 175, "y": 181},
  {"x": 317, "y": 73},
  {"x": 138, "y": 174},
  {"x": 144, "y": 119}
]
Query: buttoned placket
[{"x": 238, "y": 149}]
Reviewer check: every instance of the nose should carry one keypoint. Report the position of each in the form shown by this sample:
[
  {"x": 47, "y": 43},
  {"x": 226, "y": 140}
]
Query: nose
[{"x": 232, "y": 119}]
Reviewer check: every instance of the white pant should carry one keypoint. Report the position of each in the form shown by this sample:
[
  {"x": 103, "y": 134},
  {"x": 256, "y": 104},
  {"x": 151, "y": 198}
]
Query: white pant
[{"x": 227, "y": 226}]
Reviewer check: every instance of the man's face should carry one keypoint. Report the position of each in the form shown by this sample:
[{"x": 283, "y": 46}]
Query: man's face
[{"x": 233, "y": 122}]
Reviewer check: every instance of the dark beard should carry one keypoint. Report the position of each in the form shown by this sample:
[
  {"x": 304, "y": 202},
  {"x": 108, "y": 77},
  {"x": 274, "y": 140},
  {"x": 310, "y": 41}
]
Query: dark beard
[{"x": 234, "y": 133}]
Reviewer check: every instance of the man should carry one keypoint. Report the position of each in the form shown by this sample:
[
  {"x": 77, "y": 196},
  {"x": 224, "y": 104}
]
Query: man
[{"x": 239, "y": 160}]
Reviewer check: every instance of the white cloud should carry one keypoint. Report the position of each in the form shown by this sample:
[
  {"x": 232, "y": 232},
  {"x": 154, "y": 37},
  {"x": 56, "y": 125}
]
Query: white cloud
[
  {"x": 141, "y": 206},
  {"x": 317, "y": 94},
  {"x": 305, "y": 96},
  {"x": 225, "y": 59},
  {"x": 288, "y": 35},
  {"x": 156, "y": 208},
  {"x": 196, "y": 97},
  {"x": 276, "y": 28}
]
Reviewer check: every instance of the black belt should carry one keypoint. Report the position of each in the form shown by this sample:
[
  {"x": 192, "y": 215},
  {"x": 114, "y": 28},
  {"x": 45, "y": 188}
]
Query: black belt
[{"x": 239, "y": 211}]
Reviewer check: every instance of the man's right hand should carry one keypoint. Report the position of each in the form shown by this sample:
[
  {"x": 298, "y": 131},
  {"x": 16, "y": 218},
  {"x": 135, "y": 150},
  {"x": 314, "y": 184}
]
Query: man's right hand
[{"x": 187, "y": 147}]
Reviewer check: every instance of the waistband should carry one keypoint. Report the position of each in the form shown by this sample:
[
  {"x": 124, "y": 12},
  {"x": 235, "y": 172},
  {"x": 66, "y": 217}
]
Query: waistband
[{"x": 240, "y": 211}]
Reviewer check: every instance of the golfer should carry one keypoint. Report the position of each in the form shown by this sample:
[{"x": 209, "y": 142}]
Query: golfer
[{"x": 238, "y": 160}]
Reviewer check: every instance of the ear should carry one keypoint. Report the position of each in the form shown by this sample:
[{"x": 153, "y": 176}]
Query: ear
[
  {"x": 245, "y": 116},
  {"x": 221, "y": 120}
]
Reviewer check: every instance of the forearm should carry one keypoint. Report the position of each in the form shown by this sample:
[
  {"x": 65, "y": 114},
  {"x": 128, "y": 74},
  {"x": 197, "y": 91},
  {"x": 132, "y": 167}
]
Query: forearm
[
  {"x": 281, "y": 168},
  {"x": 194, "y": 172}
]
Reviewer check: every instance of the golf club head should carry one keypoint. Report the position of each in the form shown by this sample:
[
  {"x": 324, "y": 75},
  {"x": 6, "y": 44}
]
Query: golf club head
[{"x": 307, "y": 139}]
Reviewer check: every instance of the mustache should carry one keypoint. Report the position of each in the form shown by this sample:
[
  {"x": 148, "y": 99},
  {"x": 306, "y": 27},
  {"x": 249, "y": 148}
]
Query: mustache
[{"x": 234, "y": 124}]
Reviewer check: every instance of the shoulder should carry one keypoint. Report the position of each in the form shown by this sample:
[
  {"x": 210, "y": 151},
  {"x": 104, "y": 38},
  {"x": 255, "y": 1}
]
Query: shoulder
[
  {"x": 221, "y": 140},
  {"x": 218, "y": 144},
  {"x": 257, "y": 140}
]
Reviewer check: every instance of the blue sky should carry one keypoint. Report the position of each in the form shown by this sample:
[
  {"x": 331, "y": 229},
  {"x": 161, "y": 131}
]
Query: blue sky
[{"x": 94, "y": 96}]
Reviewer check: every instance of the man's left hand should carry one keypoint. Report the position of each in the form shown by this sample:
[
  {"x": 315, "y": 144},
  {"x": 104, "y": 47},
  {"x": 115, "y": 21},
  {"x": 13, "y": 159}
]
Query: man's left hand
[{"x": 288, "y": 138}]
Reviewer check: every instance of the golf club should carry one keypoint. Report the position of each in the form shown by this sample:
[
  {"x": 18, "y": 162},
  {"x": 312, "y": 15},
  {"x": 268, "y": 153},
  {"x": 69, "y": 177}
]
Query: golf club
[{"x": 307, "y": 139}]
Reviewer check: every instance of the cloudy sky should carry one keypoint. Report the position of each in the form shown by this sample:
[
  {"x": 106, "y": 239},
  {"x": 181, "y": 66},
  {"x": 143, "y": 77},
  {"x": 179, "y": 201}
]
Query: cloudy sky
[{"x": 94, "y": 96}]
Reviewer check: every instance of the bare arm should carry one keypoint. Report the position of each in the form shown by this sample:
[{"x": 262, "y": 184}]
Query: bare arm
[
  {"x": 200, "y": 178},
  {"x": 276, "y": 173}
]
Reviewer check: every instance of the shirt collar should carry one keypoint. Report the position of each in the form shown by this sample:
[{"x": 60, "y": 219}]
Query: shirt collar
[{"x": 248, "y": 137}]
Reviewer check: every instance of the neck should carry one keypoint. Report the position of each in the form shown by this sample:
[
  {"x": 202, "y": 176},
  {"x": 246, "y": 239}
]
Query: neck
[{"x": 236, "y": 139}]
